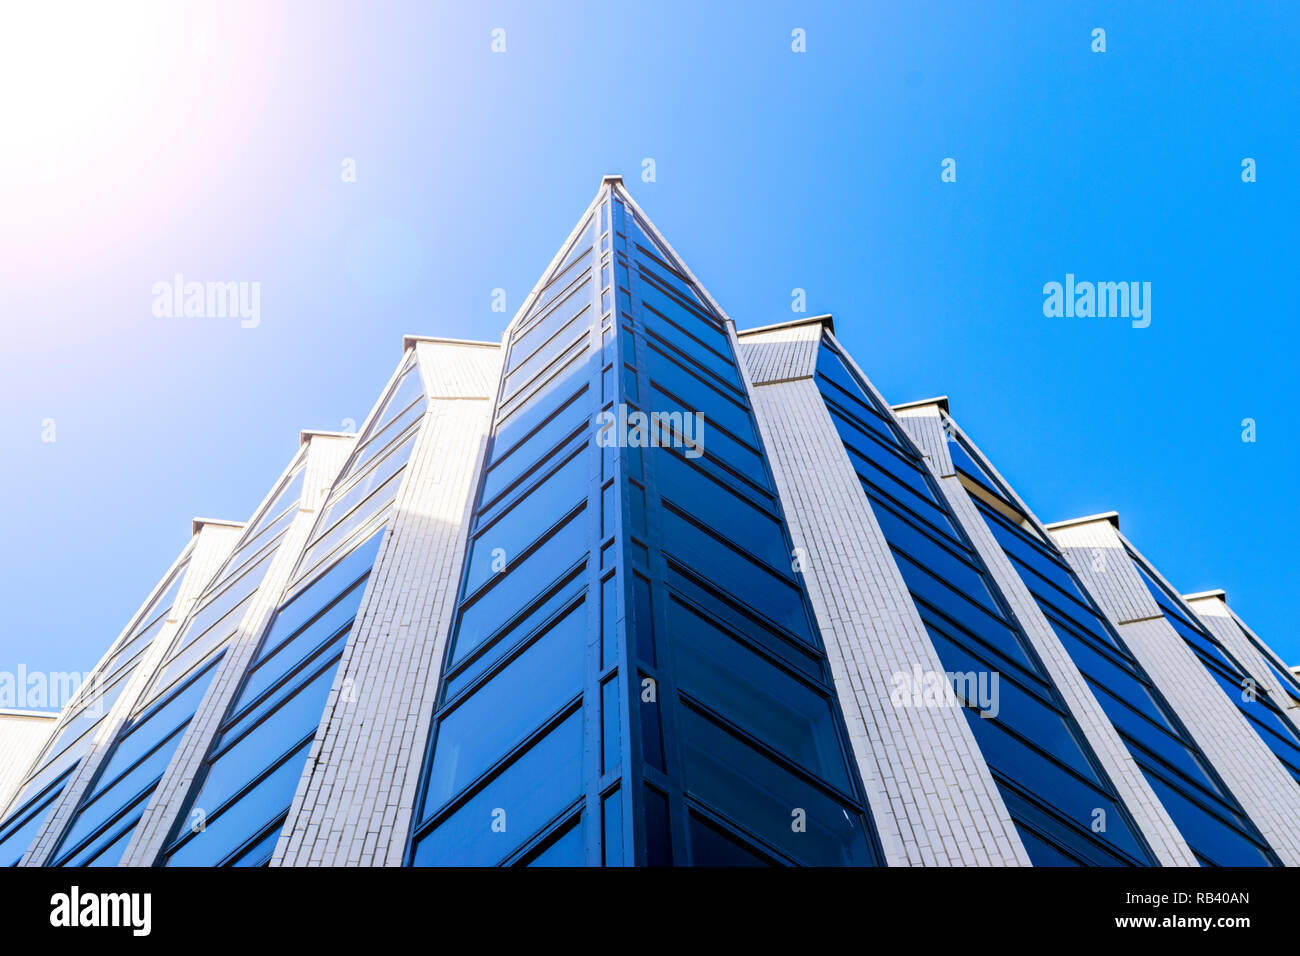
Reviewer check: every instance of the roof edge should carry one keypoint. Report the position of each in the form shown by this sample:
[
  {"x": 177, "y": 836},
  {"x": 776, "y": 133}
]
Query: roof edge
[
  {"x": 410, "y": 340},
  {"x": 307, "y": 434},
  {"x": 825, "y": 320},
  {"x": 1111, "y": 516},
  {"x": 1203, "y": 595},
  {"x": 16, "y": 712},
  {"x": 198, "y": 523},
  {"x": 940, "y": 400}
]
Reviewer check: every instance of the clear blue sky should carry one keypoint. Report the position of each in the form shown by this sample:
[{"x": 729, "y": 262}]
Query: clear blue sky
[{"x": 210, "y": 142}]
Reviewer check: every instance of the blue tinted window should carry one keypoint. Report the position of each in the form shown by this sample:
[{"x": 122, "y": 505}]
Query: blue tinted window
[
  {"x": 565, "y": 850},
  {"x": 493, "y": 823},
  {"x": 251, "y": 774},
  {"x": 227, "y": 833},
  {"x": 760, "y": 697},
  {"x": 739, "y": 521},
  {"x": 755, "y": 584},
  {"x": 759, "y": 794},
  {"x": 712, "y": 846},
  {"x": 22, "y": 825},
  {"x": 522, "y": 580},
  {"x": 974, "y": 635},
  {"x": 524, "y": 523},
  {"x": 509, "y": 706},
  {"x": 525, "y": 455}
]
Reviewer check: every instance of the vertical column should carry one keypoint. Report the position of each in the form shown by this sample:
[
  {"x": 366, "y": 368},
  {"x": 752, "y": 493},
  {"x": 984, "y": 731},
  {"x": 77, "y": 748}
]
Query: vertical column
[
  {"x": 213, "y": 542},
  {"x": 1269, "y": 796},
  {"x": 1212, "y": 609},
  {"x": 355, "y": 802},
  {"x": 326, "y": 454},
  {"x": 924, "y": 423},
  {"x": 932, "y": 797}
]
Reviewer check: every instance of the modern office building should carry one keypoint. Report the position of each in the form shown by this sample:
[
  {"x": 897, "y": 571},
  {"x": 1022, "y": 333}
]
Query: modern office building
[{"x": 630, "y": 587}]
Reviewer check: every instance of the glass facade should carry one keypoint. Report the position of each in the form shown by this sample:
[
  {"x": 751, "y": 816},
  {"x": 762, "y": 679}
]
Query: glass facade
[
  {"x": 1050, "y": 780},
  {"x": 86, "y": 714},
  {"x": 241, "y": 796},
  {"x": 1285, "y": 679},
  {"x": 106, "y": 819},
  {"x": 1205, "y": 812},
  {"x": 1257, "y": 705},
  {"x": 635, "y": 677}
]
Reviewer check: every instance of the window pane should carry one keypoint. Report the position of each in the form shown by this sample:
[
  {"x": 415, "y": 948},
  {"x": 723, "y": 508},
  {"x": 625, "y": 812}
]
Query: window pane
[
  {"x": 765, "y": 799},
  {"x": 757, "y": 696},
  {"x": 526, "y": 795},
  {"x": 508, "y": 707}
]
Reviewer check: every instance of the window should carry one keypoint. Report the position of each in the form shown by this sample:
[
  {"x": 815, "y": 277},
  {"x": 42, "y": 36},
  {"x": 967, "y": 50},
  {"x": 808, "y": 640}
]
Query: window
[
  {"x": 1039, "y": 757},
  {"x": 257, "y": 757}
]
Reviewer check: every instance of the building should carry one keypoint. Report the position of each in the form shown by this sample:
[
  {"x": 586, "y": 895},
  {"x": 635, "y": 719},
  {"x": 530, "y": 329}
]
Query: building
[
  {"x": 630, "y": 587},
  {"x": 23, "y": 734}
]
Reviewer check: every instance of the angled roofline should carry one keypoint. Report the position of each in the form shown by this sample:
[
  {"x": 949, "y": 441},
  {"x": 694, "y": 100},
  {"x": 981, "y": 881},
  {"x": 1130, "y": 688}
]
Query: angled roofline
[
  {"x": 307, "y": 434},
  {"x": 1211, "y": 593},
  {"x": 1111, "y": 516},
  {"x": 680, "y": 263},
  {"x": 940, "y": 400},
  {"x": 200, "y": 522},
  {"x": 410, "y": 340},
  {"x": 606, "y": 185},
  {"x": 43, "y": 714},
  {"x": 826, "y": 321}
]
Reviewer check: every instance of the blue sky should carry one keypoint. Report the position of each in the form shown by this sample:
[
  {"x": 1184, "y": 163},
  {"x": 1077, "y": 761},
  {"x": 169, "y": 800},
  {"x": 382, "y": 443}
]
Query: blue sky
[{"x": 209, "y": 141}]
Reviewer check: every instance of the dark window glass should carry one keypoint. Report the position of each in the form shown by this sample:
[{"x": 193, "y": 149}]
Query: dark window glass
[
  {"x": 734, "y": 518},
  {"x": 491, "y": 824},
  {"x": 20, "y": 828},
  {"x": 525, "y": 625},
  {"x": 711, "y": 846},
  {"x": 720, "y": 409},
  {"x": 700, "y": 597},
  {"x": 612, "y": 813},
  {"x": 763, "y": 797},
  {"x": 227, "y": 833},
  {"x": 527, "y": 519},
  {"x": 658, "y": 832},
  {"x": 758, "y": 696},
  {"x": 526, "y": 578},
  {"x": 506, "y": 708},
  {"x": 564, "y": 850},
  {"x": 568, "y": 420},
  {"x": 755, "y": 584},
  {"x": 610, "y": 713}
]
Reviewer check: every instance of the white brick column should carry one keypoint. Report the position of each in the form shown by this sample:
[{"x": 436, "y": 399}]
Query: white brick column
[
  {"x": 326, "y": 454},
  {"x": 1268, "y": 794},
  {"x": 355, "y": 803},
  {"x": 925, "y": 426},
  {"x": 929, "y": 789},
  {"x": 1212, "y": 609},
  {"x": 212, "y": 543}
]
